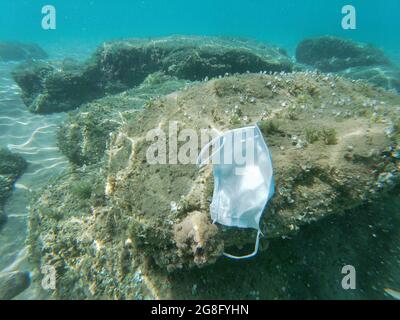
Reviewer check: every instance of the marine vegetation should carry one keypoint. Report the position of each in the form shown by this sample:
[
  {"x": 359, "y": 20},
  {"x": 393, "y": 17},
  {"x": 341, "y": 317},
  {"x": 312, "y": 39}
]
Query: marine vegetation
[
  {"x": 12, "y": 167},
  {"x": 149, "y": 224}
]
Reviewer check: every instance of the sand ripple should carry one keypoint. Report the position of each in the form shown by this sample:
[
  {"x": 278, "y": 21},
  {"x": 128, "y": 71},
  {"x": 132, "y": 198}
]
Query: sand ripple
[{"x": 34, "y": 137}]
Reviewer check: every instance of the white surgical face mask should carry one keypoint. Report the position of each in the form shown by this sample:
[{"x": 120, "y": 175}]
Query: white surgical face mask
[{"x": 243, "y": 179}]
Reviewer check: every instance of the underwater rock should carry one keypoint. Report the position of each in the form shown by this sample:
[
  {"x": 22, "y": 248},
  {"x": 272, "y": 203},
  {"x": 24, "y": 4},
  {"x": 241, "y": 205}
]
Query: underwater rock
[
  {"x": 11, "y": 163},
  {"x": 334, "y": 146},
  {"x": 332, "y": 54},
  {"x": 30, "y": 76},
  {"x": 6, "y": 187},
  {"x": 387, "y": 77},
  {"x": 13, "y": 283},
  {"x": 84, "y": 134},
  {"x": 14, "y": 51},
  {"x": 3, "y": 217},
  {"x": 120, "y": 65},
  {"x": 50, "y": 87},
  {"x": 11, "y": 168},
  {"x": 356, "y": 61},
  {"x": 196, "y": 236}
]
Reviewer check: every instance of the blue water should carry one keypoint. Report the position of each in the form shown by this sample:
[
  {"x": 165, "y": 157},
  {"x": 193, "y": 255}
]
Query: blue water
[{"x": 277, "y": 21}]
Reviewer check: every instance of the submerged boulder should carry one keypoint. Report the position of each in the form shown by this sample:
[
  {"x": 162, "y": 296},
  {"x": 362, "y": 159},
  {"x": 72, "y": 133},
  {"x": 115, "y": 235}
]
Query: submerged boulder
[
  {"x": 13, "y": 283},
  {"x": 332, "y": 54},
  {"x": 120, "y": 65},
  {"x": 3, "y": 216},
  {"x": 11, "y": 168},
  {"x": 334, "y": 145},
  {"x": 55, "y": 87},
  {"x": 15, "y": 51},
  {"x": 349, "y": 59}
]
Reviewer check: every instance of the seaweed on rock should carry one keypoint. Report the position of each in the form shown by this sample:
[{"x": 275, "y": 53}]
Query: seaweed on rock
[
  {"x": 353, "y": 60},
  {"x": 137, "y": 236},
  {"x": 120, "y": 65},
  {"x": 11, "y": 168}
]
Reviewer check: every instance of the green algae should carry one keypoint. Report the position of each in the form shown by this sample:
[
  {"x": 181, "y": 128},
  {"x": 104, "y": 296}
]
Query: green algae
[{"x": 128, "y": 244}]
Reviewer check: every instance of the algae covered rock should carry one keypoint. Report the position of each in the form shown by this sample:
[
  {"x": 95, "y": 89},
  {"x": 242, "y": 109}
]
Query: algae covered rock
[
  {"x": 13, "y": 283},
  {"x": 387, "y": 77},
  {"x": 349, "y": 59},
  {"x": 313, "y": 172},
  {"x": 332, "y": 54},
  {"x": 84, "y": 134},
  {"x": 15, "y": 51},
  {"x": 55, "y": 87},
  {"x": 120, "y": 65},
  {"x": 11, "y": 168},
  {"x": 334, "y": 145},
  {"x": 127, "y": 63},
  {"x": 3, "y": 217}
]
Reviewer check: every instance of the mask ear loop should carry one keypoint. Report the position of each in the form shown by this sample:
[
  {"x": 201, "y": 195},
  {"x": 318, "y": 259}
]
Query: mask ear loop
[{"x": 259, "y": 233}]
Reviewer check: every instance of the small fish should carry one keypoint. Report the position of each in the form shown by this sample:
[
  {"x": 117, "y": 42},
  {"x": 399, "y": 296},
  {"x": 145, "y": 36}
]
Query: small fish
[{"x": 393, "y": 293}]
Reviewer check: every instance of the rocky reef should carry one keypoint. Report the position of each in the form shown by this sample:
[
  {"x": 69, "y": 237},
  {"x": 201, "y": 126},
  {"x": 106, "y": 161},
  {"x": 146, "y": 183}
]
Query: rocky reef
[
  {"x": 54, "y": 87},
  {"x": 15, "y": 51},
  {"x": 120, "y": 65},
  {"x": 349, "y": 59},
  {"x": 13, "y": 283},
  {"x": 332, "y": 54},
  {"x": 387, "y": 77},
  {"x": 123, "y": 228},
  {"x": 11, "y": 168}
]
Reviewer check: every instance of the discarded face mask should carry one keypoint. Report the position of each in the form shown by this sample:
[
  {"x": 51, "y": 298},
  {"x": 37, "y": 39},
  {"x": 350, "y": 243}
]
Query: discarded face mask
[{"x": 243, "y": 179}]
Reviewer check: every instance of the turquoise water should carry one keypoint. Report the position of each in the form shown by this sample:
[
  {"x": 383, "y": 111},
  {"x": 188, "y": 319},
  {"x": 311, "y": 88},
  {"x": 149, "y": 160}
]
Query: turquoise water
[
  {"x": 82, "y": 25},
  {"x": 276, "y": 21}
]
